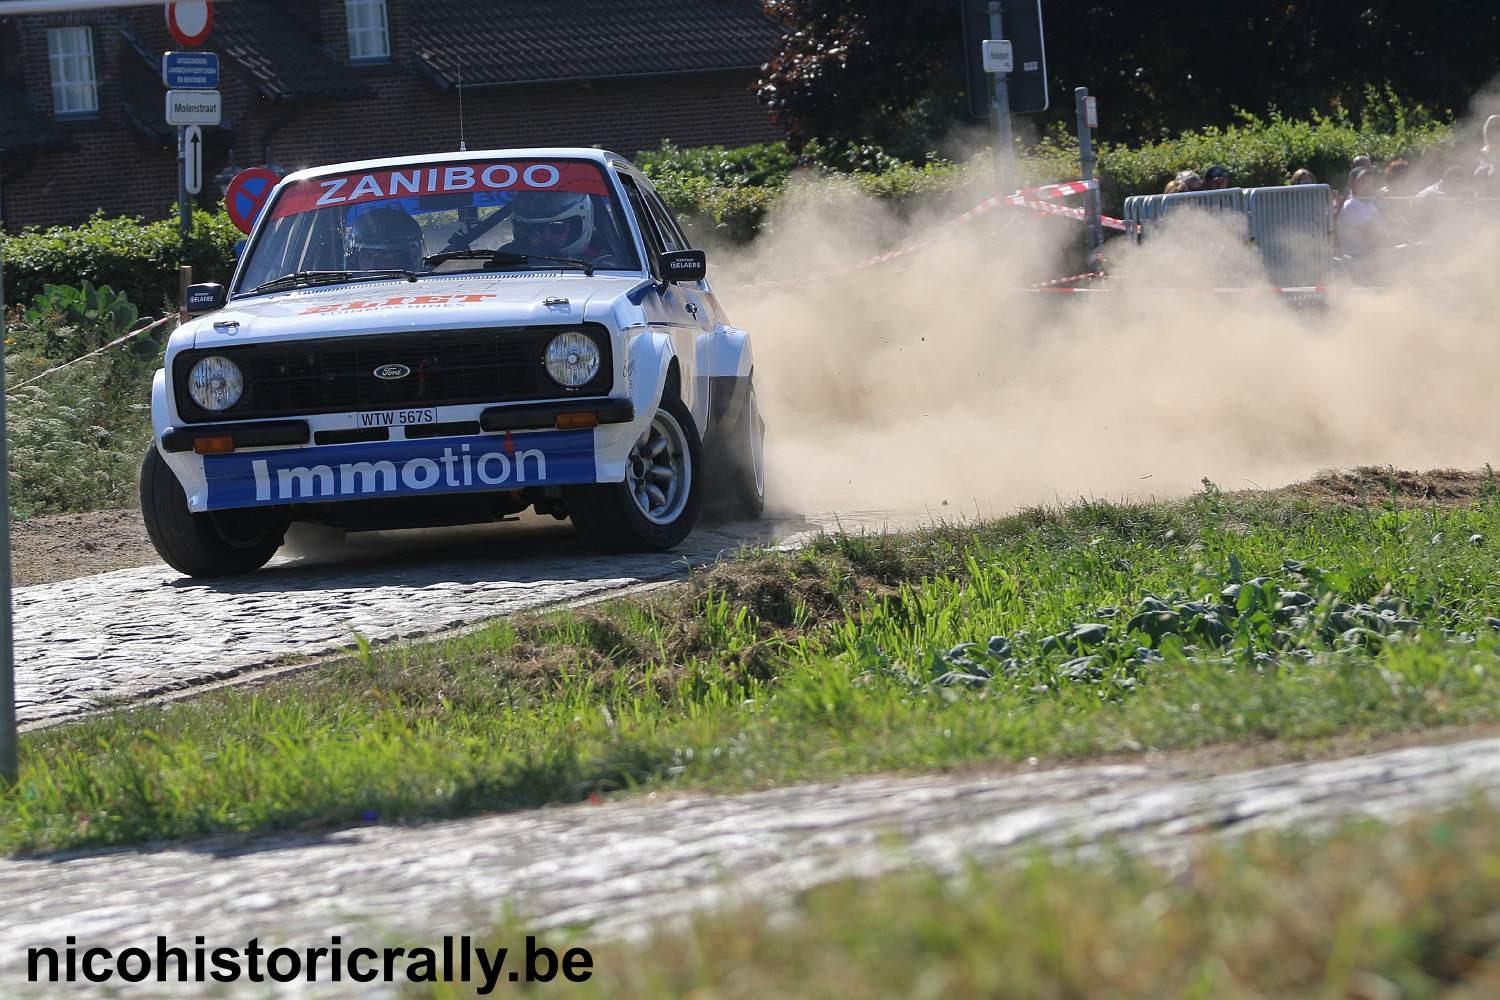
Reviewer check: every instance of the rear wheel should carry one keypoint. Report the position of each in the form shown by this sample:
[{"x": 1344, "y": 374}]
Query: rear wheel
[
  {"x": 203, "y": 545},
  {"x": 738, "y": 487},
  {"x": 659, "y": 501}
]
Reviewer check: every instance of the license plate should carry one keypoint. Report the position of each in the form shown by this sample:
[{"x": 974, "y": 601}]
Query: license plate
[{"x": 395, "y": 418}]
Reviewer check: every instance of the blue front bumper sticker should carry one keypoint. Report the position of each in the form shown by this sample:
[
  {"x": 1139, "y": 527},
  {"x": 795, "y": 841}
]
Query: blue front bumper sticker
[{"x": 399, "y": 468}]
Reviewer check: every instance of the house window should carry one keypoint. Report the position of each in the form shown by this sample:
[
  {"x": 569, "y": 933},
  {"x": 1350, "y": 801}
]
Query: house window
[
  {"x": 74, "y": 88},
  {"x": 369, "y": 34}
]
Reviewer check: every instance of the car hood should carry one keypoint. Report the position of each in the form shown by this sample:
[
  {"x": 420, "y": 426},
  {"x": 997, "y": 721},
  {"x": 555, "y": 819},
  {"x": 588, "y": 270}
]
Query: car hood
[{"x": 443, "y": 302}]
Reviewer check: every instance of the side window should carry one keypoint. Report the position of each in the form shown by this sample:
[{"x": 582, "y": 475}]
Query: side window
[
  {"x": 649, "y": 229},
  {"x": 666, "y": 223}
]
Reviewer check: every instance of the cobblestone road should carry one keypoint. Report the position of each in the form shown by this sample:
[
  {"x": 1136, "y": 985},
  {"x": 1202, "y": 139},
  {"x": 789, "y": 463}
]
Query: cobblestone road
[
  {"x": 135, "y": 633},
  {"x": 619, "y": 866}
]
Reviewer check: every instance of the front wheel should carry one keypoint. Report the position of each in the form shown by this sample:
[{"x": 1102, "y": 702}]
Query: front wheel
[
  {"x": 659, "y": 501},
  {"x": 204, "y": 545}
]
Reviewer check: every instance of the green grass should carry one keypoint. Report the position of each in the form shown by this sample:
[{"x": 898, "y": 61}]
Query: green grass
[
  {"x": 1055, "y": 634},
  {"x": 1368, "y": 911}
]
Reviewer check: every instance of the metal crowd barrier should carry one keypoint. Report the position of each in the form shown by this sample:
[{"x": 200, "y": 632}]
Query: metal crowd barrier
[{"x": 1291, "y": 226}]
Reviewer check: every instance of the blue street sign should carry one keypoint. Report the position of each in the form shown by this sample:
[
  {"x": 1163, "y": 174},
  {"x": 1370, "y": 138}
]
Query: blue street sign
[{"x": 190, "y": 70}]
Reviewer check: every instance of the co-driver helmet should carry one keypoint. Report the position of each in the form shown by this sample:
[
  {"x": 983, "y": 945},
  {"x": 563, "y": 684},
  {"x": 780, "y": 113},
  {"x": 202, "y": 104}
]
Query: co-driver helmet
[{"x": 384, "y": 237}]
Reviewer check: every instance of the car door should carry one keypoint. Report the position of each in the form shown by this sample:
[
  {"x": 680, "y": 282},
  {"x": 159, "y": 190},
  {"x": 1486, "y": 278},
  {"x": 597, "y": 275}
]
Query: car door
[{"x": 680, "y": 308}]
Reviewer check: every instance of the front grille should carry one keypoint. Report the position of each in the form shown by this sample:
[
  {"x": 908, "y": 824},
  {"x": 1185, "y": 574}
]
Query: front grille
[{"x": 338, "y": 375}]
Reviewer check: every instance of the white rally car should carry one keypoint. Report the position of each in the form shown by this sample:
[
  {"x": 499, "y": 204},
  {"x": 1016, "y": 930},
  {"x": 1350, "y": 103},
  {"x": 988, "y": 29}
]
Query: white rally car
[{"x": 452, "y": 339}]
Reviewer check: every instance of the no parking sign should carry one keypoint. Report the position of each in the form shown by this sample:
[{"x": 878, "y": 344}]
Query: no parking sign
[{"x": 247, "y": 194}]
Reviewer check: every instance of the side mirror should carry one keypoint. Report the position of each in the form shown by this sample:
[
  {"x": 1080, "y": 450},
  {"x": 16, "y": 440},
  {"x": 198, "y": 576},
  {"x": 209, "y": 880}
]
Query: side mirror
[
  {"x": 239, "y": 248},
  {"x": 204, "y": 299},
  {"x": 683, "y": 265}
]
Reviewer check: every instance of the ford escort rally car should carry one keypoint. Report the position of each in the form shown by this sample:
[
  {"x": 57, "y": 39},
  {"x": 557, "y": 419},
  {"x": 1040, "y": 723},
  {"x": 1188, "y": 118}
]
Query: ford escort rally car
[{"x": 451, "y": 339}]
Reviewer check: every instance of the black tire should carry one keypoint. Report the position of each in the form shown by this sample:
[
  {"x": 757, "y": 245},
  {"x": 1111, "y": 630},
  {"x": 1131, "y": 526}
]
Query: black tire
[
  {"x": 737, "y": 483},
  {"x": 608, "y": 515},
  {"x": 203, "y": 545}
]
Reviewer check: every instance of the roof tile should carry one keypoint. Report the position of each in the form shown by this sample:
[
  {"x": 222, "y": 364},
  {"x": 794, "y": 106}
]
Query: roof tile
[{"x": 485, "y": 42}]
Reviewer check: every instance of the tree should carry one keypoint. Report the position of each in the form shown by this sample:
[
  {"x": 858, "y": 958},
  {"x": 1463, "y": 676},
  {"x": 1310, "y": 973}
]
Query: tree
[{"x": 849, "y": 70}]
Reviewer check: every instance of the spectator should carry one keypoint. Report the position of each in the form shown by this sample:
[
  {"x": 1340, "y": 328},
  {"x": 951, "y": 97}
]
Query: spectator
[
  {"x": 1190, "y": 180},
  {"x": 1362, "y": 230},
  {"x": 1484, "y": 181},
  {"x": 1456, "y": 182},
  {"x": 1303, "y": 176},
  {"x": 1217, "y": 178},
  {"x": 1362, "y": 161},
  {"x": 1490, "y": 153},
  {"x": 1174, "y": 186},
  {"x": 1396, "y": 174}
]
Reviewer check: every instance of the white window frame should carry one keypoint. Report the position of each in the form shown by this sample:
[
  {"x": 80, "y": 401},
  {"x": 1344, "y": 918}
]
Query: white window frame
[
  {"x": 369, "y": 27},
  {"x": 75, "y": 81}
]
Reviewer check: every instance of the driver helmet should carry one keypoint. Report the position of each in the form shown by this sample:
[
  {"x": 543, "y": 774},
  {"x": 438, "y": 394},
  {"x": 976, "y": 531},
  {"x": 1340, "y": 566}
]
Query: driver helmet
[
  {"x": 555, "y": 223},
  {"x": 384, "y": 237}
]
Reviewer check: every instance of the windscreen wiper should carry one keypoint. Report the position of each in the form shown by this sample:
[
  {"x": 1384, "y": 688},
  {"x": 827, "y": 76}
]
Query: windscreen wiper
[
  {"x": 501, "y": 257},
  {"x": 299, "y": 278}
]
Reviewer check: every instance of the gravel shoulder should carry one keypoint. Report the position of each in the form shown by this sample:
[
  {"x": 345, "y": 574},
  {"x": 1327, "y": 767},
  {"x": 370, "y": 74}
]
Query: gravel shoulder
[{"x": 66, "y": 546}]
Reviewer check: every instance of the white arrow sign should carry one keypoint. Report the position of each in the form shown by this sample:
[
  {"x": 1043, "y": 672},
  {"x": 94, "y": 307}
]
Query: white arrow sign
[{"x": 192, "y": 159}]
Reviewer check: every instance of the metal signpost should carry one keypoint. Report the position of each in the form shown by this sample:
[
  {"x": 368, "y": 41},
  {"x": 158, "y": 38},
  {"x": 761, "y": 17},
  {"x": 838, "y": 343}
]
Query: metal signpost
[
  {"x": 193, "y": 99},
  {"x": 1006, "y": 159},
  {"x": 1088, "y": 120},
  {"x": 1005, "y": 61}
]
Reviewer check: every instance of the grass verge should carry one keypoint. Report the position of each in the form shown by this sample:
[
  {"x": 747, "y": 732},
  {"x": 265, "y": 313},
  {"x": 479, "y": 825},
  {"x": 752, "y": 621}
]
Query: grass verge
[
  {"x": 1368, "y": 911},
  {"x": 1056, "y": 634}
]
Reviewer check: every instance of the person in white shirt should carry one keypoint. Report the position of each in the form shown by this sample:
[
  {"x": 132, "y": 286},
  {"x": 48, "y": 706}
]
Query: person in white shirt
[{"x": 1362, "y": 230}]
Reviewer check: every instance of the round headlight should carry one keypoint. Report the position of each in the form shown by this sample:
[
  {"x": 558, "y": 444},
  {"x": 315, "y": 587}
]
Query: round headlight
[
  {"x": 572, "y": 359},
  {"x": 215, "y": 383}
]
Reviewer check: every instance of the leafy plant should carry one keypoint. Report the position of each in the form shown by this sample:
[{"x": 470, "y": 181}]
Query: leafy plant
[{"x": 140, "y": 258}]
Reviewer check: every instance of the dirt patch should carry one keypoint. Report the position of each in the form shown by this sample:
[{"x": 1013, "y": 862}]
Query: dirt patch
[
  {"x": 1373, "y": 486},
  {"x": 64, "y": 546}
]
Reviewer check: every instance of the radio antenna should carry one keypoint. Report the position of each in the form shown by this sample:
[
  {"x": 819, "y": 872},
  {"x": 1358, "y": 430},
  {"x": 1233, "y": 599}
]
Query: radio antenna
[{"x": 462, "y": 147}]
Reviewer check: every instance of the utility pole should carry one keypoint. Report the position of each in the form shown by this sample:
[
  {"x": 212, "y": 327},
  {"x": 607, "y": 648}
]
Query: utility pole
[
  {"x": 9, "y": 758},
  {"x": 1005, "y": 155}
]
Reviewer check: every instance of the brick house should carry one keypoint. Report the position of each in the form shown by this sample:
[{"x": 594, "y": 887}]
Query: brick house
[{"x": 307, "y": 82}]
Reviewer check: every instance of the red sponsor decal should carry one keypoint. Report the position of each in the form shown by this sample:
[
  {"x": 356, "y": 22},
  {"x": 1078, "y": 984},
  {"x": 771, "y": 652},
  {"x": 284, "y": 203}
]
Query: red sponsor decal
[
  {"x": 446, "y": 178},
  {"x": 397, "y": 300}
]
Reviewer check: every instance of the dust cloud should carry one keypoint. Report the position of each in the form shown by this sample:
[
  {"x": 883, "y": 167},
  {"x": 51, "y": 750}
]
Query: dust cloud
[{"x": 937, "y": 381}]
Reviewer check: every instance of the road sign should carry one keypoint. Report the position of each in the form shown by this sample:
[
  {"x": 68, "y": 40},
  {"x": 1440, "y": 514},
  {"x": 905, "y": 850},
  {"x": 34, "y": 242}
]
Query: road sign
[
  {"x": 1027, "y": 79},
  {"x": 192, "y": 159},
  {"x": 190, "y": 70},
  {"x": 194, "y": 107},
  {"x": 999, "y": 56},
  {"x": 247, "y": 195},
  {"x": 190, "y": 21}
]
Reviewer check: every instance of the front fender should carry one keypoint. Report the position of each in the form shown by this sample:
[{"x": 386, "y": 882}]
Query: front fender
[
  {"x": 648, "y": 360},
  {"x": 186, "y": 466}
]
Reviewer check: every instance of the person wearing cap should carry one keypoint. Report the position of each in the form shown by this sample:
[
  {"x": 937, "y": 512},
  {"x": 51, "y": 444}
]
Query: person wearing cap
[{"x": 1217, "y": 178}]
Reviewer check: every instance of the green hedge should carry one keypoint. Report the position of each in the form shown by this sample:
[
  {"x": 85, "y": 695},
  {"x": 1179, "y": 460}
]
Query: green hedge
[
  {"x": 1258, "y": 151},
  {"x": 138, "y": 258},
  {"x": 731, "y": 190}
]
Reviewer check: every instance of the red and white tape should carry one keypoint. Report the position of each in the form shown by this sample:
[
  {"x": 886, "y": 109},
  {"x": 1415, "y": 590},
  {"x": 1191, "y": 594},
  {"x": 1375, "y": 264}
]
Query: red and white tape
[
  {"x": 1267, "y": 290},
  {"x": 1071, "y": 279},
  {"x": 1036, "y": 199},
  {"x": 1047, "y": 192}
]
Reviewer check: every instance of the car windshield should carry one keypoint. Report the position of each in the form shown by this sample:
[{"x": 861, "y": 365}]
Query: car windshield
[{"x": 440, "y": 218}]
